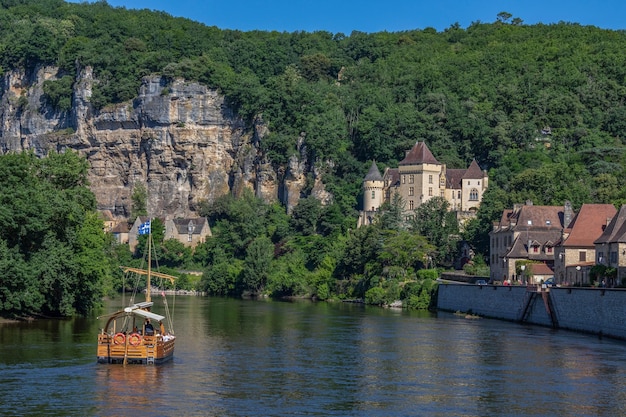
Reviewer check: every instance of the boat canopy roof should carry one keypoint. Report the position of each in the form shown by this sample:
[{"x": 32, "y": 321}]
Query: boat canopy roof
[{"x": 137, "y": 309}]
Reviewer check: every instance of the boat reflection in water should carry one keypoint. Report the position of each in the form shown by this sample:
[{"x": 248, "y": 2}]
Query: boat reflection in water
[{"x": 127, "y": 387}]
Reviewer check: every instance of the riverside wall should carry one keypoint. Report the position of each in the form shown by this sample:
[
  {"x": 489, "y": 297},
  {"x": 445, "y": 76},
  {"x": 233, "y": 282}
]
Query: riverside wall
[{"x": 590, "y": 310}]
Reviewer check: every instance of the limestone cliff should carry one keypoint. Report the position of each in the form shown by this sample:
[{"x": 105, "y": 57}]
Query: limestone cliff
[{"x": 178, "y": 139}]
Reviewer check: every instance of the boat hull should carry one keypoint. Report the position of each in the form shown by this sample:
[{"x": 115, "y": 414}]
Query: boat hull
[{"x": 134, "y": 349}]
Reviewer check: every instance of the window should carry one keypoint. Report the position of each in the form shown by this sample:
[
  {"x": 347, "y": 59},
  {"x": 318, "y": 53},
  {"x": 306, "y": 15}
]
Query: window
[
  {"x": 548, "y": 249},
  {"x": 411, "y": 191},
  {"x": 411, "y": 179},
  {"x": 474, "y": 194},
  {"x": 189, "y": 237},
  {"x": 582, "y": 256},
  {"x": 411, "y": 205},
  {"x": 430, "y": 179},
  {"x": 535, "y": 249},
  {"x": 373, "y": 194},
  {"x": 613, "y": 257},
  {"x": 441, "y": 194},
  {"x": 403, "y": 179},
  {"x": 430, "y": 191},
  {"x": 459, "y": 194}
]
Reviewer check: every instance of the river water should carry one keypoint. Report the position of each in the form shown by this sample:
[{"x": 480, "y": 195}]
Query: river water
[{"x": 264, "y": 358}]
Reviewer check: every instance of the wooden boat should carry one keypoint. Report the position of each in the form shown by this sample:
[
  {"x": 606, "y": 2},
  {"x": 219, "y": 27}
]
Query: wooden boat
[{"x": 130, "y": 335}]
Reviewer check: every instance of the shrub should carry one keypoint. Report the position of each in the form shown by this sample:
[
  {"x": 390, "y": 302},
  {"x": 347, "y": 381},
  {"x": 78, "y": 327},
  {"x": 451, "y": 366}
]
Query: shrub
[{"x": 375, "y": 296}]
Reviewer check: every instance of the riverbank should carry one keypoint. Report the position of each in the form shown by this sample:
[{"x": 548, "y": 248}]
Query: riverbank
[{"x": 595, "y": 311}]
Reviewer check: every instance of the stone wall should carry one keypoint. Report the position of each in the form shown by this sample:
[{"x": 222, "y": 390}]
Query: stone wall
[{"x": 589, "y": 310}]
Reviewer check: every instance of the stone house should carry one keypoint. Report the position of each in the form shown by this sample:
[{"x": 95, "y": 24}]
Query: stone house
[
  {"x": 420, "y": 177},
  {"x": 188, "y": 231},
  {"x": 120, "y": 232},
  {"x": 108, "y": 220},
  {"x": 561, "y": 243},
  {"x": 611, "y": 246},
  {"x": 526, "y": 233},
  {"x": 575, "y": 253}
]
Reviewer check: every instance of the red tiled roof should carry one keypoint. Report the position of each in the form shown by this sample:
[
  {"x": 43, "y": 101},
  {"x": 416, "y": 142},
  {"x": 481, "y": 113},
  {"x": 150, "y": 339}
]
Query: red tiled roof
[
  {"x": 589, "y": 224},
  {"x": 541, "y": 269},
  {"x": 419, "y": 154}
]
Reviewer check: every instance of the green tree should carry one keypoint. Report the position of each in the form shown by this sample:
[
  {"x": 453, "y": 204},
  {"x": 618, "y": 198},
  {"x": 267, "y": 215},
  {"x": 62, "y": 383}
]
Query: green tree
[
  {"x": 51, "y": 236},
  {"x": 404, "y": 249},
  {"x": 439, "y": 226},
  {"x": 257, "y": 264}
]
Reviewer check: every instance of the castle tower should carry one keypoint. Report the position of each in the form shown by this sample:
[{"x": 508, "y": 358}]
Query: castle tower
[
  {"x": 373, "y": 189},
  {"x": 473, "y": 184},
  {"x": 420, "y": 176},
  {"x": 373, "y": 195}
]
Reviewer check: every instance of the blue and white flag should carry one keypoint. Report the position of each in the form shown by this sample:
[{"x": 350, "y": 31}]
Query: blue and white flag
[{"x": 144, "y": 228}]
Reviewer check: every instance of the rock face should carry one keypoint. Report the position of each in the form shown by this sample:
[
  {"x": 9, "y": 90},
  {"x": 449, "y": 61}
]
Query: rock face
[{"x": 177, "y": 139}]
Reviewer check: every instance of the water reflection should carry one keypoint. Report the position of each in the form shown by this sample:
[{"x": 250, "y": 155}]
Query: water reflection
[{"x": 246, "y": 358}]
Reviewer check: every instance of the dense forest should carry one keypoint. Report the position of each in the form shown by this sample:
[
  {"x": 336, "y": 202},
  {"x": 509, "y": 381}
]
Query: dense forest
[{"x": 540, "y": 106}]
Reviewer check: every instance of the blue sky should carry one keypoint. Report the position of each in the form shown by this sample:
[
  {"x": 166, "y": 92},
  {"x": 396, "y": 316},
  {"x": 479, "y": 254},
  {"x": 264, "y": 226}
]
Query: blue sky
[{"x": 344, "y": 16}]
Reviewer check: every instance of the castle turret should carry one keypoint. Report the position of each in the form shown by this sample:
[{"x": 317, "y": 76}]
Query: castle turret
[{"x": 373, "y": 189}]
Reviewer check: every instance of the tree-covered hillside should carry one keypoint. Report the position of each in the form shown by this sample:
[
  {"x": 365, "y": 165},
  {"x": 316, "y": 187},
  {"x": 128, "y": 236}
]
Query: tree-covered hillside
[{"x": 540, "y": 106}]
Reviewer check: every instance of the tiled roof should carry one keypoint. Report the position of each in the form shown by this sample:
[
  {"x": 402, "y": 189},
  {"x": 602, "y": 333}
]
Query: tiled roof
[
  {"x": 454, "y": 178},
  {"x": 182, "y": 225},
  {"x": 121, "y": 228},
  {"x": 589, "y": 224},
  {"x": 532, "y": 217},
  {"x": 419, "y": 154},
  {"x": 541, "y": 269},
  {"x": 392, "y": 175},
  {"x": 616, "y": 230},
  {"x": 107, "y": 215},
  {"x": 373, "y": 174},
  {"x": 473, "y": 172},
  {"x": 542, "y": 238}
]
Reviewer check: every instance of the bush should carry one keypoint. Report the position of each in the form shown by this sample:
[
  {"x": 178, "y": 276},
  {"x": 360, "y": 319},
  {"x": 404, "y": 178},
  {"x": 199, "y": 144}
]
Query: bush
[
  {"x": 323, "y": 292},
  {"x": 375, "y": 296}
]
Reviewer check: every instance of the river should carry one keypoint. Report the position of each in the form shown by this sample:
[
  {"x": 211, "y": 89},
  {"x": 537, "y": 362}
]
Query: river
[{"x": 268, "y": 358}]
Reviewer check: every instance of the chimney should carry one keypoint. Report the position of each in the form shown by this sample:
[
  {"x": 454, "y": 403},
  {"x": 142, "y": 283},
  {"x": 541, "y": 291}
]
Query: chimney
[{"x": 567, "y": 214}]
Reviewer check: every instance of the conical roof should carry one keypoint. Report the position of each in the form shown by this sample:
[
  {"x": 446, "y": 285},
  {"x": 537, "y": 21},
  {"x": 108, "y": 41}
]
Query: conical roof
[
  {"x": 473, "y": 172},
  {"x": 419, "y": 154},
  {"x": 373, "y": 174}
]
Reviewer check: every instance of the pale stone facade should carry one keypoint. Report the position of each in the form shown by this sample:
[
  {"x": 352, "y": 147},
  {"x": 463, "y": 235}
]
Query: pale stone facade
[{"x": 420, "y": 177}]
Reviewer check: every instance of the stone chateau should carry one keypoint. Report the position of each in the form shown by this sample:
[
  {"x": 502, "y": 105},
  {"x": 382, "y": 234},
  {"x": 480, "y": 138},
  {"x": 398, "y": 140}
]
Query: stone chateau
[{"x": 420, "y": 177}]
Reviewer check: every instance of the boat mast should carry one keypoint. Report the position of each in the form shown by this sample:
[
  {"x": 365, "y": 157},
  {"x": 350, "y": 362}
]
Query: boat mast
[{"x": 148, "y": 298}]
